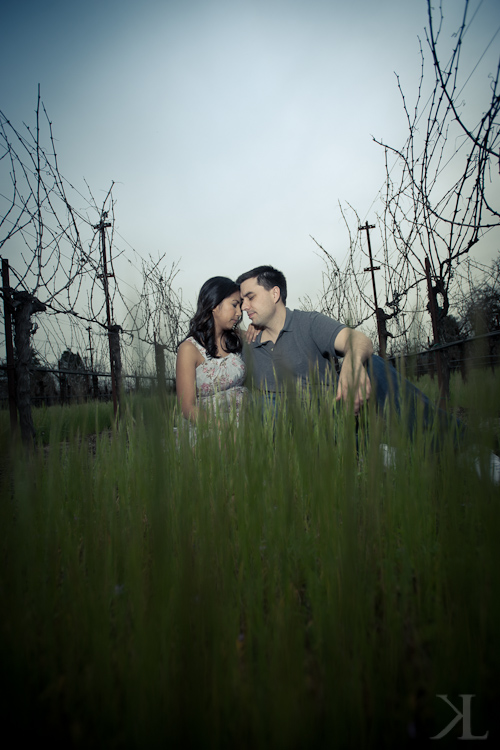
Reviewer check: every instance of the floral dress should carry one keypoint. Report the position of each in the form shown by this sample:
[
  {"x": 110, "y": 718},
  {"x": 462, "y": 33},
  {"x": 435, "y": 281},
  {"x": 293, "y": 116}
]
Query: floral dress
[{"x": 219, "y": 383}]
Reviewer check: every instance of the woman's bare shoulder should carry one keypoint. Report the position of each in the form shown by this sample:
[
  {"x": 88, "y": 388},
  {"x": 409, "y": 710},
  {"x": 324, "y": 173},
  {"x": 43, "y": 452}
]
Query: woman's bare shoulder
[{"x": 189, "y": 351}]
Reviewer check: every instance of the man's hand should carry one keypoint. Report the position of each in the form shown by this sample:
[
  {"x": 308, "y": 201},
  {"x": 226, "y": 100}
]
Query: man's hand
[{"x": 354, "y": 382}]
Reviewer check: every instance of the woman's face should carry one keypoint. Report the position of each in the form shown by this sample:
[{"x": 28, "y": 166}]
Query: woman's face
[{"x": 228, "y": 313}]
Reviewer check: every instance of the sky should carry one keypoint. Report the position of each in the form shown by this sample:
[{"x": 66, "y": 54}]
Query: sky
[{"x": 231, "y": 128}]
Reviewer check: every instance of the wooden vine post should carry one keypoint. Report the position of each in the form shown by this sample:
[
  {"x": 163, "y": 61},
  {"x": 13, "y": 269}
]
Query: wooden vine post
[
  {"x": 443, "y": 381},
  {"x": 25, "y": 305}
]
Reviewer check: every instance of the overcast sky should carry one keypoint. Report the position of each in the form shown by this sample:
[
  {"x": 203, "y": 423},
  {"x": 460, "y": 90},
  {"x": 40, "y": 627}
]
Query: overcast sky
[{"x": 232, "y": 128}]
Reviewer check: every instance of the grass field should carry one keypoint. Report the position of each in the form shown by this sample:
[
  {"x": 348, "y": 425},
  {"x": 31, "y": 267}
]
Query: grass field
[{"x": 274, "y": 588}]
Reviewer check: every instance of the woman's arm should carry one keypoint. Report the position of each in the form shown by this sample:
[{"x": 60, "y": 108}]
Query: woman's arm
[{"x": 188, "y": 357}]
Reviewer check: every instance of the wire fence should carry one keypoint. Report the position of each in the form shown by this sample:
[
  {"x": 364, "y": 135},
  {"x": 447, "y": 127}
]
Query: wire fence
[
  {"x": 51, "y": 386},
  {"x": 56, "y": 386},
  {"x": 464, "y": 355}
]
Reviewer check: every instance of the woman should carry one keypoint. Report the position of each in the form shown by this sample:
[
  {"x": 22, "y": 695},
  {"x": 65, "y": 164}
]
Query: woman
[{"x": 210, "y": 370}]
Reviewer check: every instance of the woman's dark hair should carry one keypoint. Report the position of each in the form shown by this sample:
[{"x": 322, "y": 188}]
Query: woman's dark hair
[{"x": 202, "y": 326}]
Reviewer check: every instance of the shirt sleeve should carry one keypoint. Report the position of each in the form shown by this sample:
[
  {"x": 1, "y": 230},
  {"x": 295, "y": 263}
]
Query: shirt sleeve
[{"x": 324, "y": 331}]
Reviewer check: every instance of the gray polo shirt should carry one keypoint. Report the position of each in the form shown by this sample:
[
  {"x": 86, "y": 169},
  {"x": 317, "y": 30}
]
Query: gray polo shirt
[{"x": 304, "y": 345}]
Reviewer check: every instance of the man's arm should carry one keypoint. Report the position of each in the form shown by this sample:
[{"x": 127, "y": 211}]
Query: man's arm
[{"x": 354, "y": 383}]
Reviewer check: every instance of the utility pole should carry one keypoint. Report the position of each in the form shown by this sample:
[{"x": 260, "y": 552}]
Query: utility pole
[
  {"x": 101, "y": 227},
  {"x": 381, "y": 338}
]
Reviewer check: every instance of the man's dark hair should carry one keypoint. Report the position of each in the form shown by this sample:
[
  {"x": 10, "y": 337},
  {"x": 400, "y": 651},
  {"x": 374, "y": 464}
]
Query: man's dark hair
[{"x": 268, "y": 277}]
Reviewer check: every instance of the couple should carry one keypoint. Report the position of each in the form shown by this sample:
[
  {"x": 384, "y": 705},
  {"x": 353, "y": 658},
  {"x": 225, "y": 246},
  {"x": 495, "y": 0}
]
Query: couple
[
  {"x": 284, "y": 346},
  {"x": 211, "y": 362}
]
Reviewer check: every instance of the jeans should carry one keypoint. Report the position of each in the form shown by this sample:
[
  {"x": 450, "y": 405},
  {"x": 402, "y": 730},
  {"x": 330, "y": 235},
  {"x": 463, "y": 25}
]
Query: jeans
[
  {"x": 387, "y": 384},
  {"x": 408, "y": 401}
]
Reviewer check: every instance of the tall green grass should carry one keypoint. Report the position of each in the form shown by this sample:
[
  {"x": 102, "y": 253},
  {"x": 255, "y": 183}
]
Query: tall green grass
[
  {"x": 274, "y": 587},
  {"x": 66, "y": 422}
]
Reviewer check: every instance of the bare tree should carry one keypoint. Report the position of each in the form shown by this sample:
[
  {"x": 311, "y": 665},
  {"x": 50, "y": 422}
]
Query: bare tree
[
  {"x": 442, "y": 197},
  {"x": 347, "y": 294},
  {"x": 160, "y": 317},
  {"x": 41, "y": 226},
  {"x": 37, "y": 217},
  {"x": 480, "y": 308}
]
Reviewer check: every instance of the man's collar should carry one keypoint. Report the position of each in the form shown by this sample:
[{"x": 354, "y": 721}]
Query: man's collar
[
  {"x": 288, "y": 320},
  {"x": 287, "y": 326}
]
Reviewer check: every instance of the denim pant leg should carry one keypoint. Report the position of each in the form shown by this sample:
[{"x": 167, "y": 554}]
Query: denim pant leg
[
  {"x": 388, "y": 384},
  {"x": 268, "y": 401}
]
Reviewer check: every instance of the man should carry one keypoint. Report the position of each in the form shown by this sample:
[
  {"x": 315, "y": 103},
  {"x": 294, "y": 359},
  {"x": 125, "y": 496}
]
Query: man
[{"x": 290, "y": 343}]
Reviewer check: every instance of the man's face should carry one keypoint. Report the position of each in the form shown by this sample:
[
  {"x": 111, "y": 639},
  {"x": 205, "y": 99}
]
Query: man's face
[{"x": 258, "y": 303}]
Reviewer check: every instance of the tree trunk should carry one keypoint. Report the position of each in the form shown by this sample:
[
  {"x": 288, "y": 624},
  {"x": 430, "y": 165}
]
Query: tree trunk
[
  {"x": 25, "y": 305},
  {"x": 116, "y": 360},
  {"x": 160, "y": 369}
]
